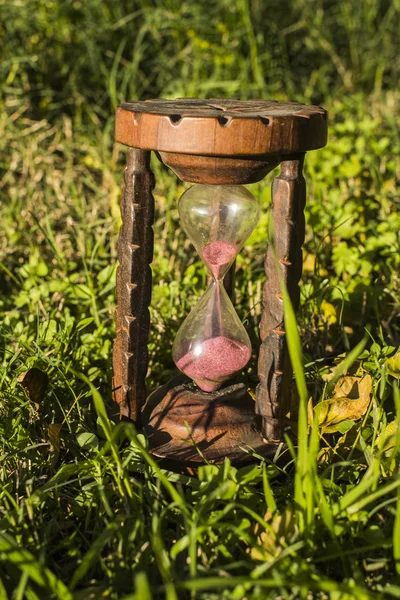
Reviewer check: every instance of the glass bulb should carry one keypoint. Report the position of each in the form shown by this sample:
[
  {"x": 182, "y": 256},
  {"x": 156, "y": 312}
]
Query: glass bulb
[
  {"x": 218, "y": 219},
  {"x": 212, "y": 344}
]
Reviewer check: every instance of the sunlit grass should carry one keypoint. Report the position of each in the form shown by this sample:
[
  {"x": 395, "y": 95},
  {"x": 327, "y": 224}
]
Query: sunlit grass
[{"x": 85, "y": 510}]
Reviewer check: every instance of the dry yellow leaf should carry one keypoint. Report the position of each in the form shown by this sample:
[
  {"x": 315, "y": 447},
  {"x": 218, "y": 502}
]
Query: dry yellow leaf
[
  {"x": 392, "y": 365},
  {"x": 325, "y": 456},
  {"x": 351, "y": 399},
  {"x": 273, "y": 540},
  {"x": 35, "y": 384},
  {"x": 308, "y": 262},
  {"x": 329, "y": 312},
  {"x": 53, "y": 432},
  {"x": 387, "y": 439},
  {"x": 346, "y": 387}
]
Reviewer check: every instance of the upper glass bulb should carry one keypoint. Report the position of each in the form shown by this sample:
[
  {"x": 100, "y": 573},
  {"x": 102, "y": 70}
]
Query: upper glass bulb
[{"x": 218, "y": 219}]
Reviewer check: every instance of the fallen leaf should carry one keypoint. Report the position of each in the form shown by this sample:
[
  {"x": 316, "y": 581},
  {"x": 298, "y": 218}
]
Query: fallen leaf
[
  {"x": 346, "y": 387},
  {"x": 284, "y": 525},
  {"x": 325, "y": 455},
  {"x": 329, "y": 312},
  {"x": 53, "y": 432},
  {"x": 392, "y": 365},
  {"x": 308, "y": 262},
  {"x": 345, "y": 426},
  {"x": 310, "y": 411},
  {"x": 387, "y": 439},
  {"x": 333, "y": 412},
  {"x": 283, "y": 530},
  {"x": 35, "y": 383},
  {"x": 348, "y": 440}
]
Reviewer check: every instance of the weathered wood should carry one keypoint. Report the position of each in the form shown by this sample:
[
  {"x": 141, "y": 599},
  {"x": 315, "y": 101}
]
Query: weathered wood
[
  {"x": 221, "y": 424},
  {"x": 221, "y": 127},
  {"x": 274, "y": 368},
  {"x": 135, "y": 253},
  {"x": 219, "y": 169}
]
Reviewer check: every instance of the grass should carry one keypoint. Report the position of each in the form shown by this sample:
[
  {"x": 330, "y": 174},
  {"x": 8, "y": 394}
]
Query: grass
[{"x": 85, "y": 511}]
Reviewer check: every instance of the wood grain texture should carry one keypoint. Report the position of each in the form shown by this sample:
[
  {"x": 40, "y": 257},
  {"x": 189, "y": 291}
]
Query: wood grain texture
[
  {"x": 219, "y": 169},
  {"x": 221, "y": 127},
  {"x": 274, "y": 367},
  {"x": 135, "y": 253},
  {"x": 222, "y": 424}
]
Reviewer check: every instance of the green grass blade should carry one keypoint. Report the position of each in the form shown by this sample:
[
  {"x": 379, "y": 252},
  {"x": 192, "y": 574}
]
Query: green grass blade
[
  {"x": 28, "y": 565},
  {"x": 303, "y": 488},
  {"x": 369, "y": 479},
  {"x": 396, "y": 535},
  {"x": 3, "y": 593},
  {"x": 268, "y": 494},
  {"x": 142, "y": 586},
  {"x": 94, "y": 552},
  {"x": 346, "y": 363},
  {"x": 177, "y": 498}
]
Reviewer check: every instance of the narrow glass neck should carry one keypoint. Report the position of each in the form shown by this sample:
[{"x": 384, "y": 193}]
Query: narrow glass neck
[{"x": 218, "y": 256}]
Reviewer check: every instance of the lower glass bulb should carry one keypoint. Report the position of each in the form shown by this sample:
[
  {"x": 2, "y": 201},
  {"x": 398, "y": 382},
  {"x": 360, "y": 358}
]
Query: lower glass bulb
[{"x": 212, "y": 344}]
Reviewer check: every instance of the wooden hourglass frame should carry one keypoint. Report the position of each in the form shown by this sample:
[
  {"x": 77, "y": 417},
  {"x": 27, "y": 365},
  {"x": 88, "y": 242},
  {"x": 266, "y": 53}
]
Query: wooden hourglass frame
[{"x": 215, "y": 142}]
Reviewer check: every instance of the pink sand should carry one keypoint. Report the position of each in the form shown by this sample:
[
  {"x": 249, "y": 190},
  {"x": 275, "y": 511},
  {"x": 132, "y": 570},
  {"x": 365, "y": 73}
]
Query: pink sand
[
  {"x": 218, "y": 254},
  {"x": 220, "y": 358}
]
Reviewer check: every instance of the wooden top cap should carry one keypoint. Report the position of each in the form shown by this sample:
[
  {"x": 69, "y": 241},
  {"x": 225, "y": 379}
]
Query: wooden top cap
[{"x": 221, "y": 127}]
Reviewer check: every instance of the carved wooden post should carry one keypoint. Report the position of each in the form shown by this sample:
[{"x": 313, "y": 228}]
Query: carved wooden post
[
  {"x": 274, "y": 368},
  {"x": 135, "y": 253}
]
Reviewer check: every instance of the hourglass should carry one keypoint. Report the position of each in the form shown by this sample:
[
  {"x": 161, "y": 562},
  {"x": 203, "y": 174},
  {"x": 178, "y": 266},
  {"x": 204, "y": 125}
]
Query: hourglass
[
  {"x": 206, "y": 412},
  {"x": 212, "y": 344}
]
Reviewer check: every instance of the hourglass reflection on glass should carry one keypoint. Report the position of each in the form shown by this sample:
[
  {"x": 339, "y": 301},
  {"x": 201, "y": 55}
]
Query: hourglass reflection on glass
[{"x": 212, "y": 344}]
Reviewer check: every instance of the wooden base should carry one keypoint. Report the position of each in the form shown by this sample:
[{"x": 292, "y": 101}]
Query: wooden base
[{"x": 188, "y": 427}]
